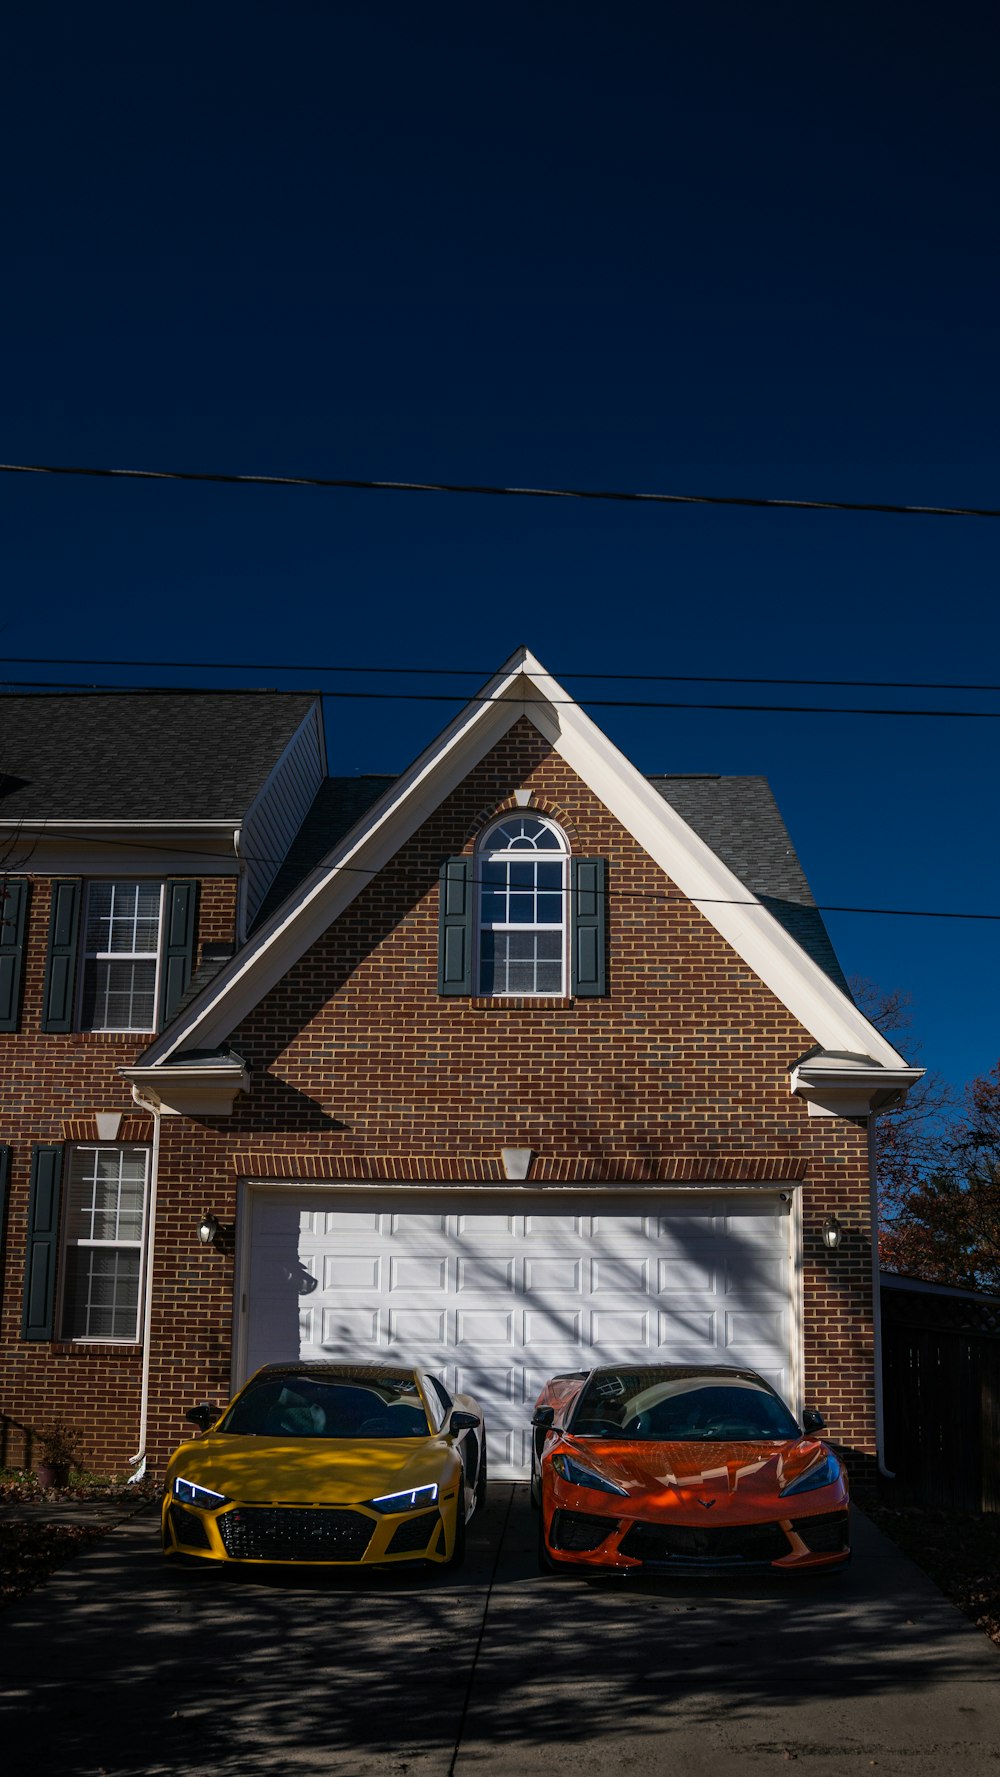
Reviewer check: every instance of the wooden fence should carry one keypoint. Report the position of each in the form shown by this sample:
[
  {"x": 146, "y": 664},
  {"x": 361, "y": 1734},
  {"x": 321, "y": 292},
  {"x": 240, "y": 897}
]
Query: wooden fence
[{"x": 941, "y": 1382}]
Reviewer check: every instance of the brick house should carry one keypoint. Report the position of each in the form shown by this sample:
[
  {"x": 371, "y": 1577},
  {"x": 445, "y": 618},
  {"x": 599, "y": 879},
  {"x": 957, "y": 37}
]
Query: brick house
[
  {"x": 139, "y": 834},
  {"x": 527, "y": 1062}
]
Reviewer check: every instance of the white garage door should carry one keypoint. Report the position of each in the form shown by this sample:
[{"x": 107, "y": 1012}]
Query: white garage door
[{"x": 495, "y": 1292}]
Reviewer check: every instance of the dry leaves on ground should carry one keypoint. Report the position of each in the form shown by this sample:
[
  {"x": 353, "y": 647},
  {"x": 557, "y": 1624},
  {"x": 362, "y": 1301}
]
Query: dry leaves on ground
[{"x": 30, "y": 1552}]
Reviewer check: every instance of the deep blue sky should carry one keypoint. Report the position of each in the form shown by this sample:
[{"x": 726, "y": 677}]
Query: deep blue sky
[{"x": 713, "y": 247}]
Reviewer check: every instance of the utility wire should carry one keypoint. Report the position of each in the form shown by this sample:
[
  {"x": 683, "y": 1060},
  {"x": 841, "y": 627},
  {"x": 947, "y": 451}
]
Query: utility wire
[
  {"x": 603, "y": 703},
  {"x": 531, "y": 493},
  {"x": 617, "y": 893},
  {"x": 469, "y": 672}
]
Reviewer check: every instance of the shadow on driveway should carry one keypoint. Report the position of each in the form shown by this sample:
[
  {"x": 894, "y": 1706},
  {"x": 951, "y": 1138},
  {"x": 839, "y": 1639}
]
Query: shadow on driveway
[{"x": 125, "y": 1665}]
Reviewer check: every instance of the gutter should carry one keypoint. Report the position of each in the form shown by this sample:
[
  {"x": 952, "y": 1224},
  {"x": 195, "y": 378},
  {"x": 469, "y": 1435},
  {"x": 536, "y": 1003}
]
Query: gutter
[{"x": 147, "y": 1310}]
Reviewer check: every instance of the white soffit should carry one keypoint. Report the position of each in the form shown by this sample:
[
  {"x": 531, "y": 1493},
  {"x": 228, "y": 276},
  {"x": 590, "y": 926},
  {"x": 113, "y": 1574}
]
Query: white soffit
[{"x": 522, "y": 687}]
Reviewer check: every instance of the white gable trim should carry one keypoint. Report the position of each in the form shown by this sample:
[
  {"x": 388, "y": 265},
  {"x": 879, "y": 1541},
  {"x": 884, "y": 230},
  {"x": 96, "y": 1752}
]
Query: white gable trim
[{"x": 522, "y": 687}]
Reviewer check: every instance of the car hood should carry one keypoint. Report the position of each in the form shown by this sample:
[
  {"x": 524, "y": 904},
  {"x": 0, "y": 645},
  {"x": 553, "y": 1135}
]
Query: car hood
[
  {"x": 728, "y": 1474},
  {"x": 302, "y": 1470}
]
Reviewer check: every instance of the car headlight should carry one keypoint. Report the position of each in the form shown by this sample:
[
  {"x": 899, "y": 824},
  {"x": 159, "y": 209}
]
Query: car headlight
[
  {"x": 190, "y": 1494},
  {"x": 823, "y": 1475},
  {"x": 406, "y": 1502},
  {"x": 584, "y": 1477}
]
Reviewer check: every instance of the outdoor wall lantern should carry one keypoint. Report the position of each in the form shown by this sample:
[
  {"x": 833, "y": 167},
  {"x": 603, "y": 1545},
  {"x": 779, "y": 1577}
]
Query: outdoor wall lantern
[
  {"x": 209, "y": 1229},
  {"x": 833, "y": 1234}
]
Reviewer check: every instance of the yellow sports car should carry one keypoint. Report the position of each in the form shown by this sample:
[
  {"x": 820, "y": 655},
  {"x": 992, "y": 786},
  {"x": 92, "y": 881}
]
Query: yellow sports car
[{"x": 329, "y": 1463}]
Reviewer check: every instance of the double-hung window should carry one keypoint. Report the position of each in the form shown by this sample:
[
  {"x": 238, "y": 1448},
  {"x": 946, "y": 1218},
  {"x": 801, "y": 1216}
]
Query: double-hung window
[
  {"x": 121, "y": 954},
  {"x": 522, "y": 869},
  {"x": 103, "y": 1234}
]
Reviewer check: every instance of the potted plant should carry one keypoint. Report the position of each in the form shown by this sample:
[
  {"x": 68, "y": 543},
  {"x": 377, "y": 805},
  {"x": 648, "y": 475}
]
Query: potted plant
[{"x": 62, "y": 1448}]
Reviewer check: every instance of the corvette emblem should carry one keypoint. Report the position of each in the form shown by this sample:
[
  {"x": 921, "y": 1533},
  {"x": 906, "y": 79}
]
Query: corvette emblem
[{"x": 707, "y": 1503}]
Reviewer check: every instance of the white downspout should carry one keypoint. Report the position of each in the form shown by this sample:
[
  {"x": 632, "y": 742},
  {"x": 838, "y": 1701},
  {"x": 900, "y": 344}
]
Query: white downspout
[
  {"x": 888, "y": 1473},
  {"x": 147, "y": 1308}
]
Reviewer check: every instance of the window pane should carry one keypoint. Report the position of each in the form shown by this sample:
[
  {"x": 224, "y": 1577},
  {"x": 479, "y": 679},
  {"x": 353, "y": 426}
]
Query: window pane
[
  {"x": 494, "y": 907},
  {"x": 102, "y": 1294},
  {"x": 522, "y": 874},
  {"x": 521, "y": 977},
  {"x": 522, "y": 910},
  {"x": 550, "y": 910},
  {"x": 487, "y": 964},
  {"x": 549, "y": 876},
  {"x": 548, "y": 978},
  {"x": 123, "y": 916},
  {"x": 118, "y": 996}
]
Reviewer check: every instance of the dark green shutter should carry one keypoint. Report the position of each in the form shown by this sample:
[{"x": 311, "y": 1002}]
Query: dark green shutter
[
  {"x": 178, "y": 946},
  {"x": 13, "y": 908},
  {"x": 588, "y": 902},
  {"x": 60, "y": 969},
  {"x": 43, "y": 1243},
  {"x": 456, "y": 926}
]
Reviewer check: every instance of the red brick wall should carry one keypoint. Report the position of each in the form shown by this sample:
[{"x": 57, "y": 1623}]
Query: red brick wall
[
  {"x": 50, "y": 1087},
  {"x": 362, "y": 1071}
]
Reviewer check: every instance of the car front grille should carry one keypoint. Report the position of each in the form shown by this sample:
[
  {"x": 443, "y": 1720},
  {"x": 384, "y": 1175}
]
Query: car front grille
[
  {"x": 576, "y": 1531},
  {"x": 826, "y": 1534},
  {"x": 733, "y": 1543},
  {"x": 413, "y": 1533},
  {"x": 294, "y": 1533},
  {"x": 188, "y": 1529}
]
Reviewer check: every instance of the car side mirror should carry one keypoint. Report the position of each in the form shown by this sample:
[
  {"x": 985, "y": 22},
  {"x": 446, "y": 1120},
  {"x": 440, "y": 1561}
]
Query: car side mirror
[
  {"x": 813, "y": 1421},
  {"x": 203, "y": 1416},
  {"x": 543, "y": 1418},
  {"x": 460, "y": 1421}
]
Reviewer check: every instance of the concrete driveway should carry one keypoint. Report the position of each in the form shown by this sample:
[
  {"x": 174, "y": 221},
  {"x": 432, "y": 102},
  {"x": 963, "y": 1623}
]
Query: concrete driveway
[{"x": 124, "y": 1666}]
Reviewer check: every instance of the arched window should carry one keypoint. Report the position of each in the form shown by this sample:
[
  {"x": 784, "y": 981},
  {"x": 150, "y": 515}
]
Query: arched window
[{"x": 523, "y": 873}]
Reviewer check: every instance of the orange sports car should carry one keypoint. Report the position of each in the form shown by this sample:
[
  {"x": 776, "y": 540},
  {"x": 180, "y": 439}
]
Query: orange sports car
[{"x": 682, "y": 1469}]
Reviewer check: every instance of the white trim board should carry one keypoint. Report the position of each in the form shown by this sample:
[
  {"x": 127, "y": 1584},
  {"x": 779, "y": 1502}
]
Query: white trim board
[{"x": 523, "y": 688}]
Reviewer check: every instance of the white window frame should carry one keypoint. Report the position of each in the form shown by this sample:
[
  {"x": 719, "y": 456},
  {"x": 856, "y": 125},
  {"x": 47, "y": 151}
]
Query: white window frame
[
  {"x": 68, "y": 1243},
  {"x": 119, "y": 956},
  {"x": 486, "y": 853}
]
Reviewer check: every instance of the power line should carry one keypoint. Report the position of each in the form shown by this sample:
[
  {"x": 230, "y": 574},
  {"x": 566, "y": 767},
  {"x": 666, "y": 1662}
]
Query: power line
[
  {"x": 530, "y": 493},
  {"x": 603, "y": 703},
  {"x": 624, "y": 894},
  {"x": 469, "y": 672}
]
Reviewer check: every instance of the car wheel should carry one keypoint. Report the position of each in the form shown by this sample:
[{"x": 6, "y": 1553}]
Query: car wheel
[
  {"x": 457, "y": 1556},
  {"x": 481, "y": 1479}
]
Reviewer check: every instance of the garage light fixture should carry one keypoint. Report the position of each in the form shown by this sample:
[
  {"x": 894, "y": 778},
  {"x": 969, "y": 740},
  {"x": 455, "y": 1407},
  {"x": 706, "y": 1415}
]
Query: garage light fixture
[
  {"x": 833, "y": 1234},
  {"x": 209, "y": 1229}
]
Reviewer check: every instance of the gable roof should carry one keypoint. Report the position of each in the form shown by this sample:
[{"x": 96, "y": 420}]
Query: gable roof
[
  {"x": 523, "y": 688},
  {"x": 154, "y": 756},
  {"x": 737, "y": 816}
]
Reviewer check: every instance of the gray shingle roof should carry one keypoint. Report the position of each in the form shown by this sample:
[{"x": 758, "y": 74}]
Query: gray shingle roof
[
  {"x": 736, "y": 816},
  {"x": 339, "y": 802},
  {"x": 119, "y": 756}
]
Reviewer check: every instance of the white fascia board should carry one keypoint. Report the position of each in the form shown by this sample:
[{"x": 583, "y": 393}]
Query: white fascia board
[
  {"x": 522, "y": 687},
  {"x": 348, "y": 869},
  {"x": 791, "y": 974},
  {"x": 119, "y": 848}
]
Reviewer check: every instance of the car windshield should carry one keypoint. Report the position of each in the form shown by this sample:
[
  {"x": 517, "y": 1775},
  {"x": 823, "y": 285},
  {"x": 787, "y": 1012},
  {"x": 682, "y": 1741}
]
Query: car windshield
[
  {"x": 657, "y": 1406},
  {"x": 307, "y": 1407}
]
